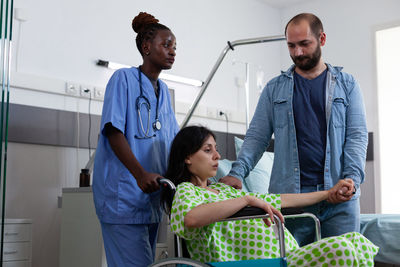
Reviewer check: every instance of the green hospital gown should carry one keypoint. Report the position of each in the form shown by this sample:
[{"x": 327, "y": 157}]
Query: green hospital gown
[{"x": 253, "y": 239}]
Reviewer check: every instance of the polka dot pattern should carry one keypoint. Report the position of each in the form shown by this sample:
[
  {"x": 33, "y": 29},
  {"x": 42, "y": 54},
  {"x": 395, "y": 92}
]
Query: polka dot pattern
[
  {"x": 351, "y": 249},
  {"x": 252, "y": 239}
]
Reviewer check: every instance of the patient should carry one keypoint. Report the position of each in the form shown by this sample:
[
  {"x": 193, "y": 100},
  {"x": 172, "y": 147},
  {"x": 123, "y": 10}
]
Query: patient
[{"x": 198, "y": 206}]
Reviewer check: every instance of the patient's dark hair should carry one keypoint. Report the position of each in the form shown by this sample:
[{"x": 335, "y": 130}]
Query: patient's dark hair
[
  {"x": 314, "y": 22},
  {"x": 187, "y": 142},
  {"x": 146, "y": 27}
]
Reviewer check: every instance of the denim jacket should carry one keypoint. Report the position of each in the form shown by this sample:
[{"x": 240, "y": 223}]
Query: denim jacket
[{"x": 347, "y": 135}]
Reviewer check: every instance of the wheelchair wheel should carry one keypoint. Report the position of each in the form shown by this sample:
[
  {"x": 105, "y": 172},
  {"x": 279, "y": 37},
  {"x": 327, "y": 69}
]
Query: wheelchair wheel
[{"x": 178, "y": 262}]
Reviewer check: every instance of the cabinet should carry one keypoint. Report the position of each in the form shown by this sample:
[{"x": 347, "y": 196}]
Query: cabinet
[
  {"x": 17, "y": 247},
  {"x": 81, "y": 242}
]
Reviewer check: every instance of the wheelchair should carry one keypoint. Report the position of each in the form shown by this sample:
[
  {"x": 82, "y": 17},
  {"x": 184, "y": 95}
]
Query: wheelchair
[{"x": 168, "y": 190}]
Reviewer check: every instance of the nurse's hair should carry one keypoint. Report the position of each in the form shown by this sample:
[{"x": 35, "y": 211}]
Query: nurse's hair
[
  {"x": 187, "y": 142},
  {"x": 146, "y": 27},
  {"x": 314, "y": 22}
]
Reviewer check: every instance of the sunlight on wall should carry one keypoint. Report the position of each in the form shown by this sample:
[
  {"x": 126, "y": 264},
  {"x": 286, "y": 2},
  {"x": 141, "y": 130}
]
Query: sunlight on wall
[{"x": 388, "y": 58}]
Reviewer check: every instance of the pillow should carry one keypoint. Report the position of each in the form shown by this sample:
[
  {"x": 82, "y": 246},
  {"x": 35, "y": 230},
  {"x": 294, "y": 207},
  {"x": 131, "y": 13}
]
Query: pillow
[{"x": 258, "y": 179}]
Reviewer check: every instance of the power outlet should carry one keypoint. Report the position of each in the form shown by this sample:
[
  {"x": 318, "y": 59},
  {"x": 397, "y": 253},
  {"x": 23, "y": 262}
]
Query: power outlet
[
  {"x": 220, "y": 113},
  {"x": 86, "y": 91},
  {"x": 211, "y": 112},
  {"x": 98, "y": 93},
  {"x": 71, "y": 88},
  {"x": 225, "y": 114}
]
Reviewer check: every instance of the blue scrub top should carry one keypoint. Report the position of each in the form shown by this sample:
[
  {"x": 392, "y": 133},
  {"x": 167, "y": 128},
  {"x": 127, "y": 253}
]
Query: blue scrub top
[{"x": 117, "y": 197}]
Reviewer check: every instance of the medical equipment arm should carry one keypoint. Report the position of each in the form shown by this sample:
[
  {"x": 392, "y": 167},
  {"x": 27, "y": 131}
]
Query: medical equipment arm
[{"x": 229, "y": 46}]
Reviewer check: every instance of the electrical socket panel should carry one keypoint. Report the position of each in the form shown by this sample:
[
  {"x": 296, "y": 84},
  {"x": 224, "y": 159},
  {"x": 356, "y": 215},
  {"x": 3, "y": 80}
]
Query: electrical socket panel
[
  {"x": 220, "y": 114},
  {"x": 98, "y": 93},
  {"x": 200, "y": 111},
  {"x": 229, "y": 114},
  {"x": 86, "y": 91},
  {"x": 211, "y": 112},
  {"x": 72, "y": 88},
  {"x": 233, "y": 116}
]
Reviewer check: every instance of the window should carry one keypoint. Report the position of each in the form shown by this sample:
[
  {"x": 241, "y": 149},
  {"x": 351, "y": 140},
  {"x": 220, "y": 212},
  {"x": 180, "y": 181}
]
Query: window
[{"x": 388, "y": 58}]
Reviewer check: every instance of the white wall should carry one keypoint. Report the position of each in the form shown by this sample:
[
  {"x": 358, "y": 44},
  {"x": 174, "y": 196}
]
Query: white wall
[
  {"x": 350, "y": 26},
  {"x": 64, "y": 39},
  {"x": 61, "y": 40}
]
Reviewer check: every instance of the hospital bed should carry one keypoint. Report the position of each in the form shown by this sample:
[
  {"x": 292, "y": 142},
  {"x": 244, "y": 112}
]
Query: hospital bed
[
  {"x": 384, "y": 231},
  {"x": 167, "y": 194}
]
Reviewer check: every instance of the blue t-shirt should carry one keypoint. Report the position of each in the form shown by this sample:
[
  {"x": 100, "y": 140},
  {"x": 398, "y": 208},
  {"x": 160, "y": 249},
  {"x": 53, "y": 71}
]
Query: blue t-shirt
[{"x": 310, "y": 120}]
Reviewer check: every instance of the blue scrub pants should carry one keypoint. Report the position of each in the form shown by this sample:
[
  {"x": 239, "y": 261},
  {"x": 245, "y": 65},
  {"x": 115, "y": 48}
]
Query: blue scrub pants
[
  {"x": 336, "y": 219},
  {"x": 129, "y": 245}
]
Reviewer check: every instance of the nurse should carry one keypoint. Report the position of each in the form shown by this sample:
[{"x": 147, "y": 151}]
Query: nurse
[{"x": 137, "y": 128}]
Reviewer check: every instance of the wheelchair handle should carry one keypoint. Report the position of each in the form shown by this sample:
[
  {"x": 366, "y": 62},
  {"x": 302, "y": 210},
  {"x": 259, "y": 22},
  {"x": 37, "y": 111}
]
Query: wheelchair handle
[{"x": 166, "y": 183}]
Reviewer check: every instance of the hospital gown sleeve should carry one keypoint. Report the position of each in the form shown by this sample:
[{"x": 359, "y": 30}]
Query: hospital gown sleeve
[
  {"x": 186, "y": 198},
  {"x": 272, "y": 199}
]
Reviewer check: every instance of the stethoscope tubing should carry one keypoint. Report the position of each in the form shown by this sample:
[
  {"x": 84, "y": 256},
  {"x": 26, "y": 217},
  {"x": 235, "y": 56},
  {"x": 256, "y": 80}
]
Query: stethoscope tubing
[{"x": 156, "y": 124}]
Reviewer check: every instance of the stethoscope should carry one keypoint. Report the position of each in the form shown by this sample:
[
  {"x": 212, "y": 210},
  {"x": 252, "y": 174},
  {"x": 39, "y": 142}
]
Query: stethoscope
[{"x": 141, "y": 100}]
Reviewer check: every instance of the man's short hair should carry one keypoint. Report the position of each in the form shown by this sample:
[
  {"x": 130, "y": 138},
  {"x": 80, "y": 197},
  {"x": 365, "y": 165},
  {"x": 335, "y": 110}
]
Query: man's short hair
[{"x": 314, "y": 22}]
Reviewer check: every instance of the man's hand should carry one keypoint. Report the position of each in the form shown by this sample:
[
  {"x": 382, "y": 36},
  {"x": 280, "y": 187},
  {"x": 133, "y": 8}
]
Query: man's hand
[
  {"x": 342, "y": 191},
  {"x": 148, "y": 183},
  {"x": 232, "y": 181}
]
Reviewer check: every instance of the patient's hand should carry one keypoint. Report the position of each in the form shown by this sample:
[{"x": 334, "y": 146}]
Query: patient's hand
[
  {"x": 232, "y": 181},
  {"x": 342, "y": 191},
  {"x": 269, "y": 209}
]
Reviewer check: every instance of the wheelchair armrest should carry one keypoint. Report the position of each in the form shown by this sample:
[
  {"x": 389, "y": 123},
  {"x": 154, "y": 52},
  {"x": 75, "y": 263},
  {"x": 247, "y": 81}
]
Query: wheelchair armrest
[
  {"x": 290, "y": 211},
  {"x": 246, "y": 212},
  {"x": 308, "y": 215},
  {"x": 252, "y": 211}
]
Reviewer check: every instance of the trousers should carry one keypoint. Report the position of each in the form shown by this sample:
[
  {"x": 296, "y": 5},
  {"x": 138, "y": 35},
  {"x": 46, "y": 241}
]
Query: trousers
[
  {"x": 335, "y": 219},
  {"x": 129, "y": 245}
]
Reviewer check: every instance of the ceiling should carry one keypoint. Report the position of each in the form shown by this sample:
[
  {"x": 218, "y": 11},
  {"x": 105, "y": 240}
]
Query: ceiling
[{"x": 284, "y": 3}]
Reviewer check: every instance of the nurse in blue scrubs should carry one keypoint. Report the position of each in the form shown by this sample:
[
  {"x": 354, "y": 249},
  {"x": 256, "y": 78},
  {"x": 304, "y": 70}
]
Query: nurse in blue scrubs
[{"x": 137, "y": 127}]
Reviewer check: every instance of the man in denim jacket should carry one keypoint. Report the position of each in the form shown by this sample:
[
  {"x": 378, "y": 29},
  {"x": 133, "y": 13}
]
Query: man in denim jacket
[{"x": 317, "y": 116}]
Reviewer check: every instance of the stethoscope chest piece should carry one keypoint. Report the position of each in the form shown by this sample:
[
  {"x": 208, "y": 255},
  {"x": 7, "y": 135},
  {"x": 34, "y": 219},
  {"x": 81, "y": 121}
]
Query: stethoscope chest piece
[
  {"x": 140, "y": 101},
  {"x": 157, "y": 125}
]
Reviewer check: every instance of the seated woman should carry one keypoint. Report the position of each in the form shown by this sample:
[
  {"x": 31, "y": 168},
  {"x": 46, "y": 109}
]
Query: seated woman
[{"x": 198, "y": 206}]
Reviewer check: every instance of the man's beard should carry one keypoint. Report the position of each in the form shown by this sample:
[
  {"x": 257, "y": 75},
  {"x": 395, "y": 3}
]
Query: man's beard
[{"x": 308, "y": 62}]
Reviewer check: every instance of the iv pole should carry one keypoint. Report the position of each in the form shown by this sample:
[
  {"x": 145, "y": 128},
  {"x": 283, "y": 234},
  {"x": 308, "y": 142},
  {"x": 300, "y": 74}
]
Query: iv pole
[{"x": 230, "y": 45}]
